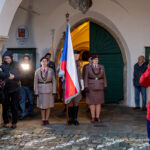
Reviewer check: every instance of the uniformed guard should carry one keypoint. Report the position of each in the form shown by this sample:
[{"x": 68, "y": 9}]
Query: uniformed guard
[
  {"x": 73, "y": 105},
  {"x": 95, "y": 84}
]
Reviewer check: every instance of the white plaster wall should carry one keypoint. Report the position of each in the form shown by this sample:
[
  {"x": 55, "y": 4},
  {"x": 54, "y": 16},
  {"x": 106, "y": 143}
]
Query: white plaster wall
[
  {"x": 7, "y": 13},
  {"x": 127, "y": 20}
]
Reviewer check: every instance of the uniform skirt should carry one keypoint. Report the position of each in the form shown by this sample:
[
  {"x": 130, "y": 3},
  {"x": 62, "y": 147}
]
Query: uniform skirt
[
  {"x": 94, "y": 97},
  {"x": 45, "y": 101}
]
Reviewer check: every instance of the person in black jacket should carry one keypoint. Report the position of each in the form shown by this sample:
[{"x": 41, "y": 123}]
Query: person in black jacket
[
  {"x": 12, "y": 89},
  {"x": 139, "y": 69},
  {"x": 4, "y": 74},
  {"x": 26, "y": 90}
]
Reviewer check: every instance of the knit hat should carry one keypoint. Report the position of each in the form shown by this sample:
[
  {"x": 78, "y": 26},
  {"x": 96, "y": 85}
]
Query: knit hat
[{"x": 8, "y": 53}]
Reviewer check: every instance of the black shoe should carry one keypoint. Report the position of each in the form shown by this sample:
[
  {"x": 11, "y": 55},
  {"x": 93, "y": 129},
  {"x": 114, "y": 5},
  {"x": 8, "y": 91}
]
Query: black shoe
[
  {"x": 21, "y": 117},
  {"x": 76, "y": 122},
  {"x": 70, "y": 113},
  {"x": 14, "y": 126},
  {"x": 75, "y": 115},
  {"x": 70, "y": 122},
  {"x": 135, "y": 108}
]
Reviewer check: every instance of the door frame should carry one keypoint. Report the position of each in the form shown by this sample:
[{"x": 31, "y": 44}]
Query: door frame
[{"x": 20, "y": 50}]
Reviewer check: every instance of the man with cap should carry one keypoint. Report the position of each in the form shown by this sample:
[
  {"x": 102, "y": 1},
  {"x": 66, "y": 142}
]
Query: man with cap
[
  {"x": 12, "y": 89},
  {"x": 73, "y": 105},
  {"x": 51, "y": 64}
]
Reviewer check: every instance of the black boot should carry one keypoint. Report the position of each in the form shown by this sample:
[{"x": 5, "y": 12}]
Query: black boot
[
  {"x": 70, "y": 113},
  {"x": 75, "y": 115}
]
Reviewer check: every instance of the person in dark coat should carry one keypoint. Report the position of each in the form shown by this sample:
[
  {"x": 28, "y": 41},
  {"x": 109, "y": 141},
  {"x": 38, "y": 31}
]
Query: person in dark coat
[
  {"x": 95, "y": 84},
  {"x": 4, "y": 74},
  {"x": 139, "y": 68},
  {"x": 73, "y": 105},
  {"x": 12, "y": 89},
  {"x": 51, "y": 64},
  {"x": 26, "y": 90}
]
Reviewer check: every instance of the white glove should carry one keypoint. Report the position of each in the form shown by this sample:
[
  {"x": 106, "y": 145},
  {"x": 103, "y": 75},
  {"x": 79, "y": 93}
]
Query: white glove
[
  {"x": 61, "y": 74},
  {"x": 82, "y": 84}
]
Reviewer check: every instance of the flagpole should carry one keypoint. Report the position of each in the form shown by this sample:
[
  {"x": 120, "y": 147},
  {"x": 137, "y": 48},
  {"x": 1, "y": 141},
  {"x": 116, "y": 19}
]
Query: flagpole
[{"x": 67, "y": 115}]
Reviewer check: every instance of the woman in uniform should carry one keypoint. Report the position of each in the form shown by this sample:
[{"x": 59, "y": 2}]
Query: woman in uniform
[
  {"x": 95, "y": 84},
  {"x": 45, "y": 89}
]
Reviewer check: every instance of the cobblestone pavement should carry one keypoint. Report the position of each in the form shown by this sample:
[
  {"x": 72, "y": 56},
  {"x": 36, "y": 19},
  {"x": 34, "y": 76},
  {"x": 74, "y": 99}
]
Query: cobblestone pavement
[{"x": 122, "y": 129}]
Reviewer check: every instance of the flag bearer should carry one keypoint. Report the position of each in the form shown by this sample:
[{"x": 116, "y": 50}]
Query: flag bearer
[{"x": 73, "y": 105}]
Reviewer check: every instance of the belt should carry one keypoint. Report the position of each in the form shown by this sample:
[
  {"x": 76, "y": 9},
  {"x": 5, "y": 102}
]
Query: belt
[
  {"x": 95, "y": 78},
  {"x": 45, "y": 82}
]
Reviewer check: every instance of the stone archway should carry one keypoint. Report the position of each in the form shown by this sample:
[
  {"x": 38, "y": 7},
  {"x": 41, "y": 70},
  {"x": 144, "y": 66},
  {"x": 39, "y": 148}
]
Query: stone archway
[
  {"x": 111, "y": 28},
  {"x": 7, "y": 14}
]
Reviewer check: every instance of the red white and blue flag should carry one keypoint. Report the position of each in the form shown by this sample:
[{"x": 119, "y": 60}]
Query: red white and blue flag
[{"x": 68, "y": 69}]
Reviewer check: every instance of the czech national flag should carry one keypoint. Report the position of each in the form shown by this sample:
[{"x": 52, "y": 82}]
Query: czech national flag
[{"x": 68, "y": 69}]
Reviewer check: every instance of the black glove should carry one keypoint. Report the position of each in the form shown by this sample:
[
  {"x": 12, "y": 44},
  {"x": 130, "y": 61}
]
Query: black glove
[{"x": 86, "y": 90}]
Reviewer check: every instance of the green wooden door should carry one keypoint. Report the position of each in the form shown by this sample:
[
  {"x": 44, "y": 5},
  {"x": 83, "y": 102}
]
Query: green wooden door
[
  {"x": 147, "y": 53},
  {"x": 103, "y": 44}
]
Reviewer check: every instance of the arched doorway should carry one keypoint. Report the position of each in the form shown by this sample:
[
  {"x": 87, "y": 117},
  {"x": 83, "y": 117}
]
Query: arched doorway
[{"x": 92, "y": 38}]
